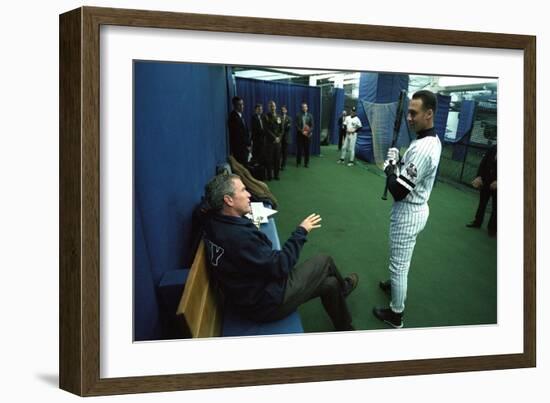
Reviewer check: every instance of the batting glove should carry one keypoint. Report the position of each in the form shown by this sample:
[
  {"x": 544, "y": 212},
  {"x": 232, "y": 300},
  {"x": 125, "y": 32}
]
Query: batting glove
[
  {"x": 390, "y": 167},
  {"x": 393, "y": 154}
]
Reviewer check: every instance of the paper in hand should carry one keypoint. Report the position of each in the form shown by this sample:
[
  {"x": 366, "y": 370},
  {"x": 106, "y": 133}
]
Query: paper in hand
[{"x": 260, "y": 213}]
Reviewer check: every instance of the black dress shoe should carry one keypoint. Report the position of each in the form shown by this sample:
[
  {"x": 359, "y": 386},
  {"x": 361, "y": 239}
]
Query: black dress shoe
[
  {"x": 306, "y": 166},
  {"x": 277, "y": 178},
  {"x": 473, "y": 224},
  {"x": 351, "y": 283},
  {"x": 388, "y": 316}
]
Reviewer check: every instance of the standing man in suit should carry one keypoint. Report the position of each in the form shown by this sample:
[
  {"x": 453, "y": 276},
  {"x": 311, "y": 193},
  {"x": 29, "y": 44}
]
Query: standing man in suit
[
  {"x": 239, "y": 138},
  {"x": 287, "y": 137},
  {"x": 341, "y": 129},
  {"x": 486, "y": 182},
  {"x": 273, "y": 136},
  {"x": 258, "y": 135},
  {"x": 304, "y": 131}
]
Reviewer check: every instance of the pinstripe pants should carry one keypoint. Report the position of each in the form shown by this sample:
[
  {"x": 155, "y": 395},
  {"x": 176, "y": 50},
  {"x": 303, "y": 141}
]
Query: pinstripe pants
[
  {"x": 406, "y": 222},
  {"x": 349, "y": 146}
]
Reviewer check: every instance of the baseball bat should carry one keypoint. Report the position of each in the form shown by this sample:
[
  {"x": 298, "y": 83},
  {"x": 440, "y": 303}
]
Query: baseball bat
[{"x": 396, "y": 128}]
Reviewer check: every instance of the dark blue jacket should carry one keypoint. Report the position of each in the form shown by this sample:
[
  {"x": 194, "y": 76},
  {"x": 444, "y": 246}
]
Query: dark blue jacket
[{"x": 250, "y": 274}]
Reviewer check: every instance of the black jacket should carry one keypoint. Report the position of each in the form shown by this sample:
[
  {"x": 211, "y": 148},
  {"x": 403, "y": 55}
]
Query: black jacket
[
  {"x": 273, "y": 128},
  {"x": 258, "y": 131},
  {"x": 287, "y": 124},
  {"x": 250, "y": 274},
  {"x": 239, "y": 138},
  {"x": 258, "y": 136},
  {"x": 341, "y": 125},
  {"x": 488, "y": 167}
]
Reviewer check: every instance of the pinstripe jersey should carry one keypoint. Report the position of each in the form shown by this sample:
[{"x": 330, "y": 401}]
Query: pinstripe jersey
[{"x": 419, "y": 167}]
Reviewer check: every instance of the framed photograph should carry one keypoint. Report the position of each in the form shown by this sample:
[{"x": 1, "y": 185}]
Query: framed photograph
[{"x": 144, "y": 102}]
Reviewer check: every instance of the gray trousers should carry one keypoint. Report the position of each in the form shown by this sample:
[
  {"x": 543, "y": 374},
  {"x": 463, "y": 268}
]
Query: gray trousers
[{"x": 316, "y": 277}]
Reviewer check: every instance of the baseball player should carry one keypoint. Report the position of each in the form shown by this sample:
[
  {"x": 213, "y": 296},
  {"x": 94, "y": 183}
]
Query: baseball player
[
  {"x": 410, "y": 181},
  {"x": 353, "y": 124}
]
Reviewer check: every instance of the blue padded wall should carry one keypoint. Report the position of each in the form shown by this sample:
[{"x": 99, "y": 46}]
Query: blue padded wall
[
  {"x": 147, "y": 323},
  {"x": 291, "y": 95},
  {"x": 338, "y": 107},
  {"x": 368, "y": 86},
  {"x": 466, "y": 119},
  {"x": 441, "y": 115},
  {"x": 180, "y": 115}
]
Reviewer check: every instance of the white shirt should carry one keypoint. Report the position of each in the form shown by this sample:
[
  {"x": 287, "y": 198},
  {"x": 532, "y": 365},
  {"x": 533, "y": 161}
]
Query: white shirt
[{"x": 352, "y": 124}]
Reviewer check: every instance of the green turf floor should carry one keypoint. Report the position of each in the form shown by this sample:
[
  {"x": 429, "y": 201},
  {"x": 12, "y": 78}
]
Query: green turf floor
[{"x": 453, "y": 274}]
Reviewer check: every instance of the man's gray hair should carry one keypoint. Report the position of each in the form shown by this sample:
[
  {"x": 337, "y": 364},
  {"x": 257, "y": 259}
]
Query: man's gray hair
[{"x": 219, "y": 186}]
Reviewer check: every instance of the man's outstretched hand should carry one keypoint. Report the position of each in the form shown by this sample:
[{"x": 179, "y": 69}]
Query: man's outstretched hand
[{"x": 310, "y": 222}]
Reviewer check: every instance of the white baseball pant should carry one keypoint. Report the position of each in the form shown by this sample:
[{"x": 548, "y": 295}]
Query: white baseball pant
[
  {"x": 406, "y": 222},
  {"x": 349, "y": 145}
]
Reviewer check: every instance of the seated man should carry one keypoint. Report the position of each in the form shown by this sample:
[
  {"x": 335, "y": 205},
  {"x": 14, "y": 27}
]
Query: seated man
[{"x": 260, "y": 283}]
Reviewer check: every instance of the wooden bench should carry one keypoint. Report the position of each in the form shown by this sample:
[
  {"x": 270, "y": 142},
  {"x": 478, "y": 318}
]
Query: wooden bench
[{"x": 198, "y": 310}]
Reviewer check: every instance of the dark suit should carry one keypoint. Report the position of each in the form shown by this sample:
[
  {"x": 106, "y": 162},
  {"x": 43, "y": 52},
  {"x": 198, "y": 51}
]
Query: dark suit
[
  {"x": 341, "y": 131},
  {"x": 258, "y": 138},
  {"x": 488, "y": 172},
  {"x": 239, "y": 138},
  {"x": 302, "y": 141},
  {"x": 287, "y": 138},
  {"x": 273, "y": 135}
]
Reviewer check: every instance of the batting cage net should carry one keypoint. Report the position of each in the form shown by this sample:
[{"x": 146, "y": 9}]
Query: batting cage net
[
  {"x": 460, "y": 161},
  {"x": 460, "y": 158},
  {"x": 382, "y": 120}
]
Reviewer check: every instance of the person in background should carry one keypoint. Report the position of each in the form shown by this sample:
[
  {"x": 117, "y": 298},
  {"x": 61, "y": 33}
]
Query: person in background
[
  {"x": 239, "y": 137},
  {"x": 304, "y": 131},
  {"x": 353, "y": 124},
  {"x": 287, "y": 139},
  {"x": 258, "y": 135},
  {"x": 273, "y": 125},
  {"x": 341, "y": 129},
  {"x": 486, "y": 183}
]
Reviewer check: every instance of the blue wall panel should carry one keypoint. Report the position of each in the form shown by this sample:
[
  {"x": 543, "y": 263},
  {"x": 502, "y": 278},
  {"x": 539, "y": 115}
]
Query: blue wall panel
[
  {"x": 441, "y": 115},
  {"x": 260, "y": 91},
  {"x": 180, "y": 115},
  {"x": 337, "y": 108},
  {"x": 147, "y": 324},
  {"x": 466, "y": 119}
]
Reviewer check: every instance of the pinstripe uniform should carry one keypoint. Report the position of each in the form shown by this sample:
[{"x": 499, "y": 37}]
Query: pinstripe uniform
[
  {"x": 352, "y": 123},
  {"x": 418, "y": 169}
]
